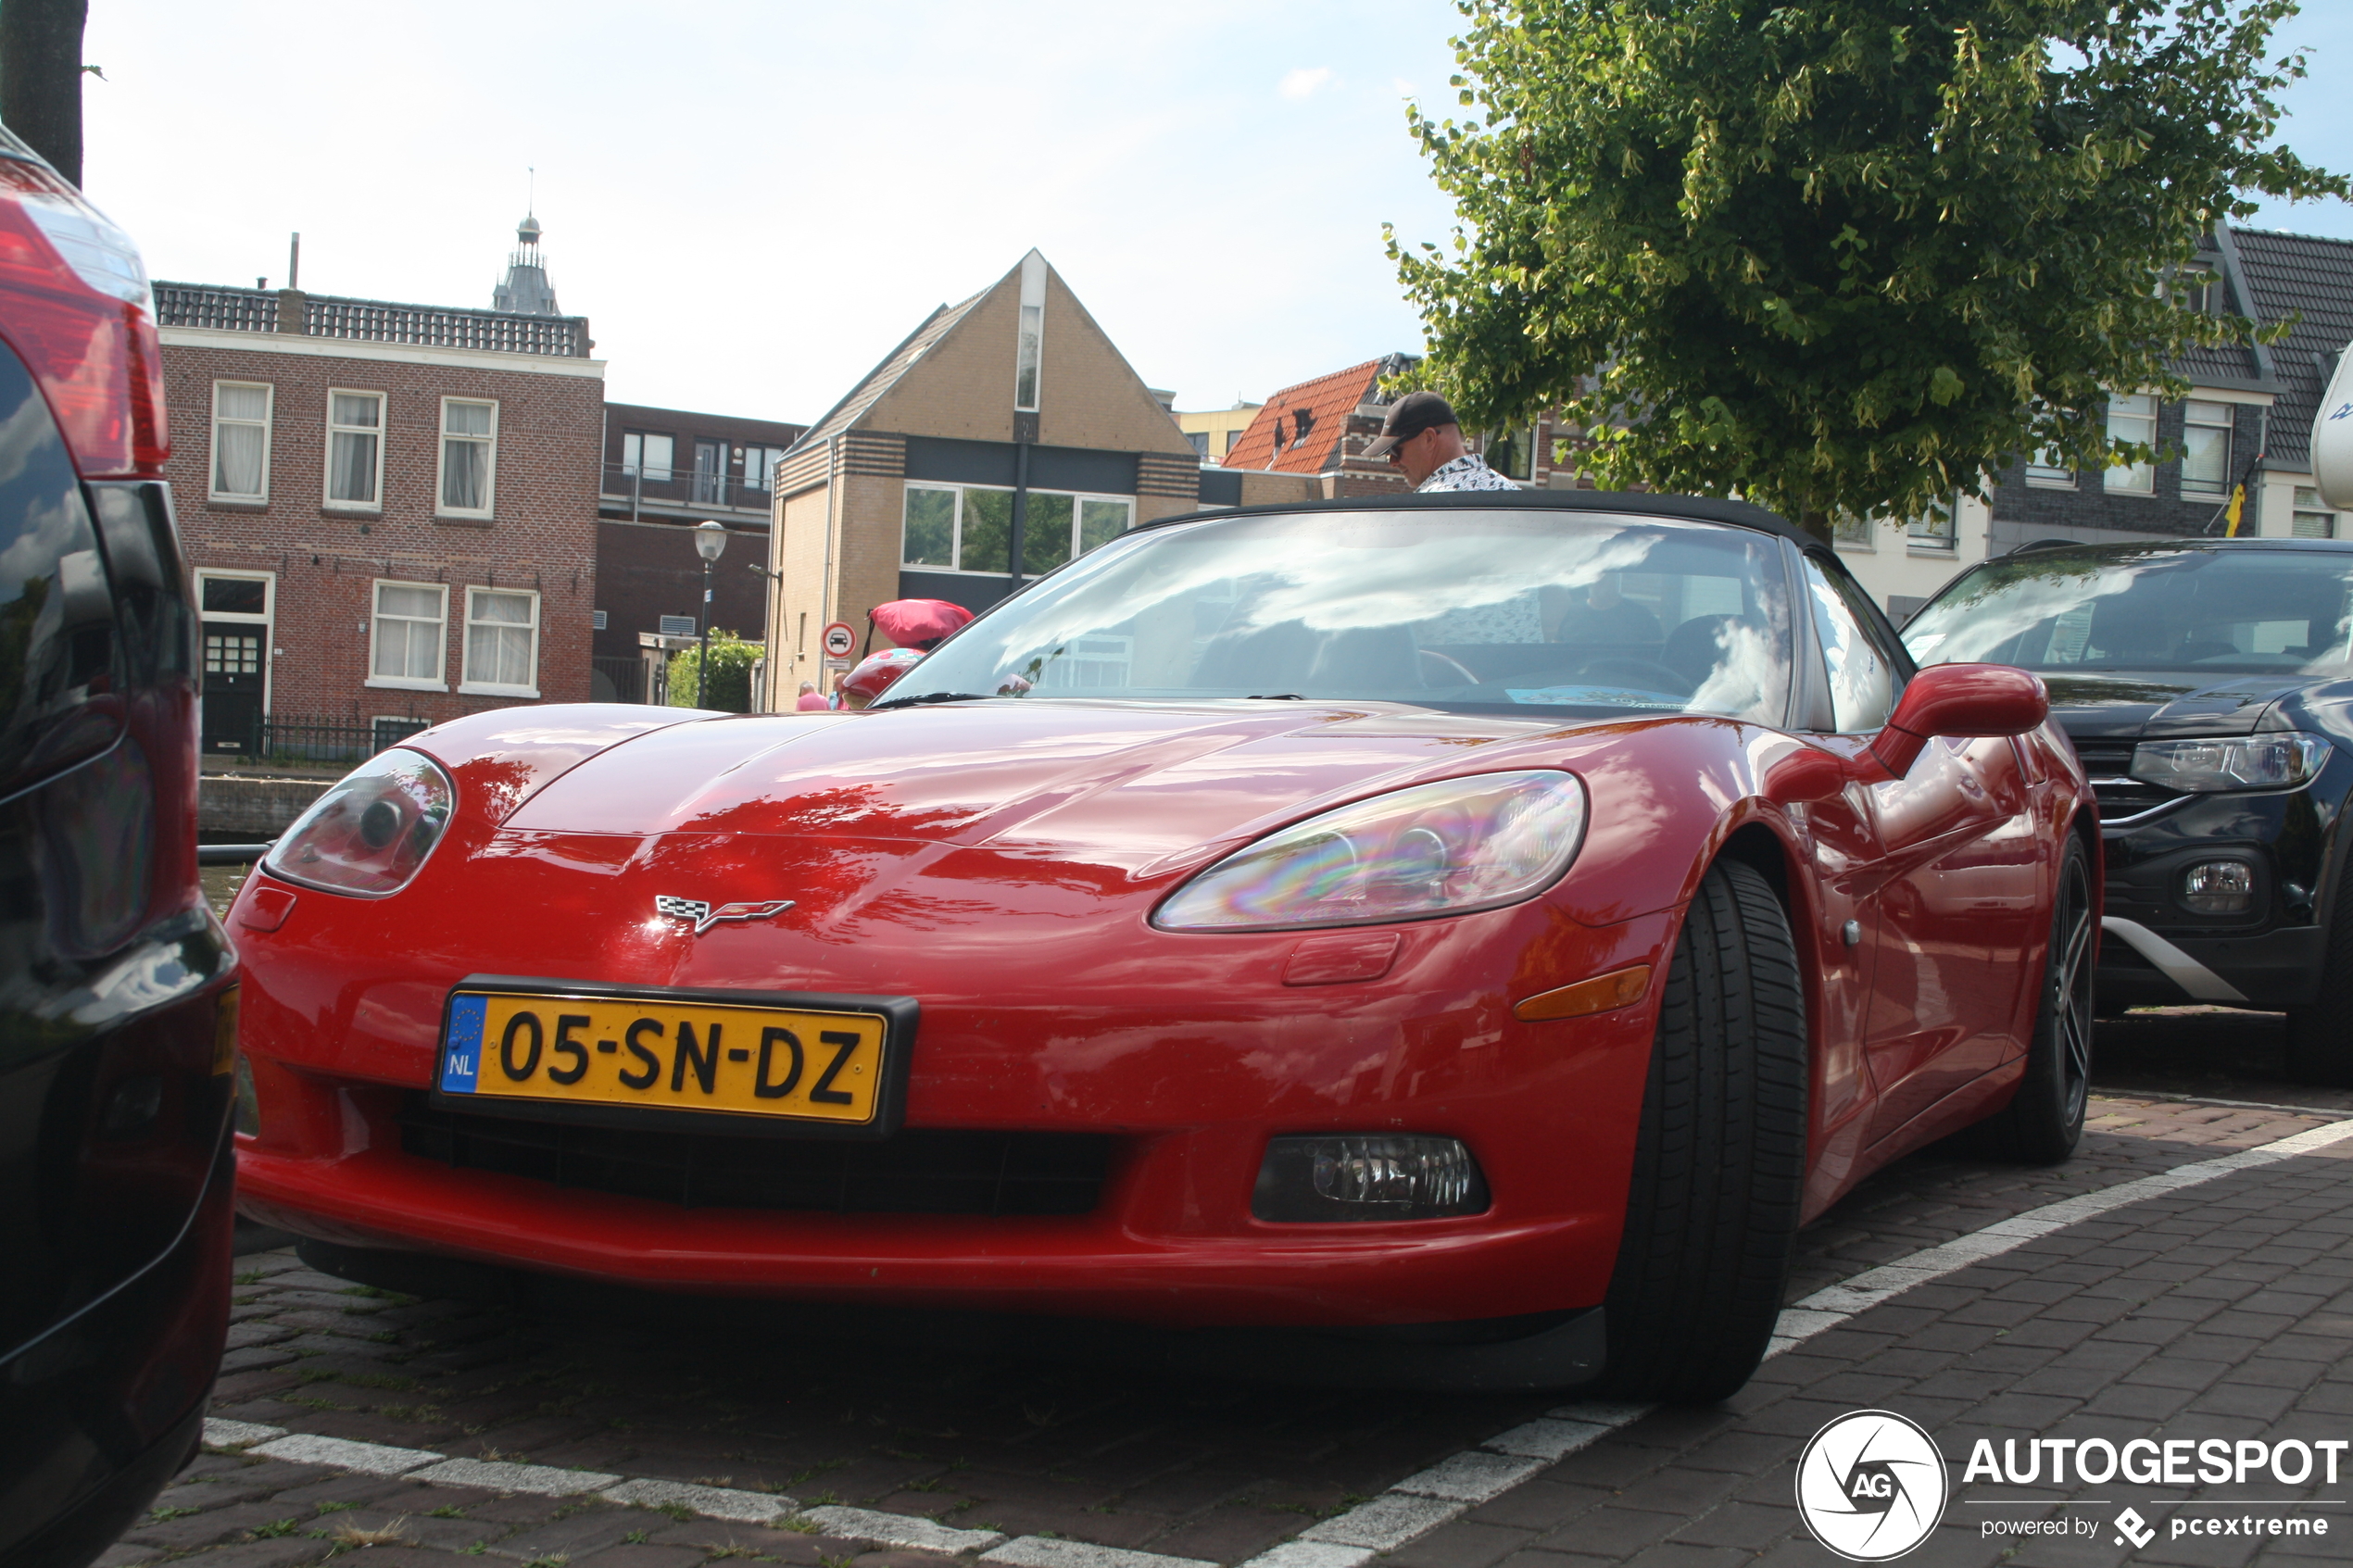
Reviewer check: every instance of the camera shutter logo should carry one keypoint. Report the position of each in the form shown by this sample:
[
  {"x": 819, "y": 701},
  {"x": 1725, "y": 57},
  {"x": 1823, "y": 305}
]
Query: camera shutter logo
[{"x": 1871, "y": 1486}]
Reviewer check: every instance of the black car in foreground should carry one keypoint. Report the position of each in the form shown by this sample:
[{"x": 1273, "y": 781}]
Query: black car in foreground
[
  {"x": 117, "y": 1002},
  {"x": 2208, "y": 685}
]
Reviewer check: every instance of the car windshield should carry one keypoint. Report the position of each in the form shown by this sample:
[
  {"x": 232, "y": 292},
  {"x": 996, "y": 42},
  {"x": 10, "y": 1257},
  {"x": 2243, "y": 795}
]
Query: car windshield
[
  {"x": 2216, "y": 612},
  {"x": 1467, "y": 610}
]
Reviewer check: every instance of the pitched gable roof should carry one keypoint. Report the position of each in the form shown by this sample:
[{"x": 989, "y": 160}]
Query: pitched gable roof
[
  {"x": 884, "y": 376},
  {"x": 1327, "y": 402},
  {"x": 2311, "y": 279}
]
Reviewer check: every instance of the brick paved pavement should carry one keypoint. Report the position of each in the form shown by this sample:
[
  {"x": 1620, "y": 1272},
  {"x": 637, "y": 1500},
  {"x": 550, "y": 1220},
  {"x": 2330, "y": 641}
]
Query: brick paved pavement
[{"x": 1201, "y": 1470}]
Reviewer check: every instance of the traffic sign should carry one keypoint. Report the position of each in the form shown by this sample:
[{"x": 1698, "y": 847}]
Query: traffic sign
[{"x": 840, "y": 637}]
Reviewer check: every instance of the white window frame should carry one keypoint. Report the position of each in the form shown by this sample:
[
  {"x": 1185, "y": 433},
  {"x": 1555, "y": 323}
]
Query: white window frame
[
  {"x": 2221, "y": 490},
  {"x": 632, "y": 457},
  {"x": 212, "y": 453},
  {"x": 2308, "y": 504},
  {"x": 2130, "y": 479},
  {"x": 327, "y": 470},
  {"x": 437, "y": 682},
  {"x": 1078, "y": 500},
  {"x": 442, "y": 438},
  {"x": 467, "y": 685}
]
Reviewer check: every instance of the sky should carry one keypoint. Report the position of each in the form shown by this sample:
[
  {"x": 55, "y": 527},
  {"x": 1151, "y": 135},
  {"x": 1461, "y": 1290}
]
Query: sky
[{"x": 753, "y": 201}]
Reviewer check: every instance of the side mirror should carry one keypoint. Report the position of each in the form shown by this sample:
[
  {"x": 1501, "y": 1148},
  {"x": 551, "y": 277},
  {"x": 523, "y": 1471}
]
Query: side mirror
[{"x": 1959, "y": 699}]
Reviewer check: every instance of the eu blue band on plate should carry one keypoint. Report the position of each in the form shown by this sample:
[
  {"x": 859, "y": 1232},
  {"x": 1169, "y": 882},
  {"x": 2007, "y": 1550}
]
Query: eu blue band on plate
[{"x": 462, "y": 1055}]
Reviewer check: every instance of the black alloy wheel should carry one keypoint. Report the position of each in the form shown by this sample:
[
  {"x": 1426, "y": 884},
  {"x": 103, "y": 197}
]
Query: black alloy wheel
[
  {"x": 2043, "y": 1120},
  {"x": 1719, "y": 1161}
]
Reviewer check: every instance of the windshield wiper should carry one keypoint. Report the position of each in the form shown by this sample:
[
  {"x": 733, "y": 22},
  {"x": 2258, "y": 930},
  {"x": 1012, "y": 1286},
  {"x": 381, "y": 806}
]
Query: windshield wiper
[{"x": 925, "y": 698}]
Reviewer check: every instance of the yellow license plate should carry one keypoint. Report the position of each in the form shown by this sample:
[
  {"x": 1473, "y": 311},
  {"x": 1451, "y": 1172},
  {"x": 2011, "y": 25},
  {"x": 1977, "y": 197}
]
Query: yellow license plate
[{"x": 807, "y": 1065}]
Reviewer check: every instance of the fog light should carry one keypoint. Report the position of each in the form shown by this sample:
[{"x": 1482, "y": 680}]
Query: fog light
[
  {"x": 248, "y": 1103},
  {"x": 2219, "y": 887},
  {"x": 1368, "y": 1177}
]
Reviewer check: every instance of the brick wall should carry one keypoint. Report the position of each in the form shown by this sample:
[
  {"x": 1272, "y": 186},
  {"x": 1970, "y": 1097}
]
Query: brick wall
[
  {"x": 325, "y": 559},
  {"x": 646, "y": 570}
]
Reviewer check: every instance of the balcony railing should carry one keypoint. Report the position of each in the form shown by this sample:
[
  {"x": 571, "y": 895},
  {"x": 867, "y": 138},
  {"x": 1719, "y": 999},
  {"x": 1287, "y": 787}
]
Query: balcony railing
[
  {"x": 372, "y": 321},
  {"x": 675, "y": 489}
]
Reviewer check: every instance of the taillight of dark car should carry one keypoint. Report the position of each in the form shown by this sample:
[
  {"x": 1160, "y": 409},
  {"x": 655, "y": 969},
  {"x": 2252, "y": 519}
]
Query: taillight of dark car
[{"x": 80, "y": 315}]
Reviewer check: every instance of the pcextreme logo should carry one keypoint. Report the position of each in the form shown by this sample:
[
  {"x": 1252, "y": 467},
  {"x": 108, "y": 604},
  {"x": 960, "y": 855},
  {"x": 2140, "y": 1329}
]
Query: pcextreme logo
[{"x": 1871, "y": 1486}]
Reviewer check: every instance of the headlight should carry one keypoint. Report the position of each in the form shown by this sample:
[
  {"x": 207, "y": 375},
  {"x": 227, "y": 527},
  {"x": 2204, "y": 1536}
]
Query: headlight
[
  {"x": 2276, "y": 761},
  {"x": 1434, "y": 849},
  {"x": 370, "y": 834}
]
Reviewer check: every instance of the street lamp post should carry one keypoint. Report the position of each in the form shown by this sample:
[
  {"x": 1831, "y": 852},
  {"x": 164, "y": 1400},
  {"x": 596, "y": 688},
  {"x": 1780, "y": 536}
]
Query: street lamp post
[{"x": 711, "y": 539}]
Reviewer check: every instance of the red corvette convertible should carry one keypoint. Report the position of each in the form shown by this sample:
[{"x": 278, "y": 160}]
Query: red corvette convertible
[{"x": 1471, "y": 931}]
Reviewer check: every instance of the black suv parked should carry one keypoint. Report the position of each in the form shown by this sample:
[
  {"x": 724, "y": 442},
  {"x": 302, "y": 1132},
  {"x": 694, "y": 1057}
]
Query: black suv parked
[
  {"x": 2208, "y": 684},
  {"x": 116, "y": 1007}
]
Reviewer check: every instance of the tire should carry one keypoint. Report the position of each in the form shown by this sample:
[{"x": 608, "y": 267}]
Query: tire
[
  {"x": 1720, "y": 1159},
  {"x": 2319, "y": 1037},
  {"x": 2045, "y": 1118}
]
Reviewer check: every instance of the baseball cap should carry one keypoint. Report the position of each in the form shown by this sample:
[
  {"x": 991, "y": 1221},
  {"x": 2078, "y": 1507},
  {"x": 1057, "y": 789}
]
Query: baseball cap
[{"x": 1408, "y": 417}]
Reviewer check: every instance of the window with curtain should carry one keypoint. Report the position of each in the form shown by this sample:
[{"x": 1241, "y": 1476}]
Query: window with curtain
[
  {"x": 355, "y": 448},
  {"x": 2313, "y": 520},
  {"x": 408, "y": 635},
  {"x": 2131, "y": 417},
  {"x": 2206, "y": 449},
  {"x": 241, "y": 441},
  {"x": 468, "y": 442},
  {"x": 502, "y": 641}
]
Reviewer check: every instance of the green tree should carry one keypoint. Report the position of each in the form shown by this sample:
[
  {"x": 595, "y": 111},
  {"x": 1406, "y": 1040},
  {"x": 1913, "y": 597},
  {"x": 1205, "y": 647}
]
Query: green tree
[
  {"x": 731, "y": 660},
  {"x": 1839, "y": 255}
]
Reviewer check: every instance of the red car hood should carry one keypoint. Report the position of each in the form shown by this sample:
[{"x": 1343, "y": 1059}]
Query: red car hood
[{"x": 1144, "y": 788}]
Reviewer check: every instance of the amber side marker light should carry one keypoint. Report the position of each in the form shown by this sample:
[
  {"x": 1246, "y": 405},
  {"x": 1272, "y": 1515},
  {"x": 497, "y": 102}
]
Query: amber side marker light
[{"x": 1621, "y": 988}]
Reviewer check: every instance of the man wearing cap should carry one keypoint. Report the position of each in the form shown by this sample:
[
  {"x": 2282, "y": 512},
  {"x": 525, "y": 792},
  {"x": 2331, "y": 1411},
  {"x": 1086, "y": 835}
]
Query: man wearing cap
[{"x": 1422, "y": 440}]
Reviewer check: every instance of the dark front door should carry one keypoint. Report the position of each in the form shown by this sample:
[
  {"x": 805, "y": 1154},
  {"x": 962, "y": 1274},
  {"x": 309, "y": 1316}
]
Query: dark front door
[{"x": 233, "y": 661}]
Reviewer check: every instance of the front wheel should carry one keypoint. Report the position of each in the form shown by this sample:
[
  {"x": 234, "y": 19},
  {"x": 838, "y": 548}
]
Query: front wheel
[
  {"x": 2045, "y": 1118},
  {"x": 1719, "y": 1161},
  {"x": 2319, "y": 1037}
]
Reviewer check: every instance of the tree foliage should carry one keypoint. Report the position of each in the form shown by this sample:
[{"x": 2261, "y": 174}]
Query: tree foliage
[
  {"x": 731, "y": 661},
  {"x": 1839, "y": 255}
]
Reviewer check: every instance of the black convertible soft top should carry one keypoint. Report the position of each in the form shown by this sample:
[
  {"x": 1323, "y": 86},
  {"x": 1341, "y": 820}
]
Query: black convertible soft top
[{"x": 1697, "y": 509}]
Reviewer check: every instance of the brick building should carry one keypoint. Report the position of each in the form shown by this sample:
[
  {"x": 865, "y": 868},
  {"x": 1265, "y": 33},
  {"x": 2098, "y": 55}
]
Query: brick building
[
  {"x": 664, "y": 470},
  {"x": 1307, "y": 442},
  {"x": 1003, "y": 437},
  {"x": 2247, "y": 419},
  {"x": 391, "y": 509}
]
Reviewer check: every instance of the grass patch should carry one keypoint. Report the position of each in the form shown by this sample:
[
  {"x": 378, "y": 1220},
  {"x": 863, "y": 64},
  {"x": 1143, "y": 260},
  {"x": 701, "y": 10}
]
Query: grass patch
[
  {"x": 381, "y": 1380},
  {"x": 799, "y": 1525},
  {"x": 816, "y": 1470},
  {"x": 391, "y": 1535},
  {"x": 448, "y": 1511},
  {"x": 275, "y": 1528},
  {"x": 313, "y": 1402},
  {"x": 332, "y": 1507},
  {"x": 251, "y": 1276},
  {"x": 160, "y": 1514}
]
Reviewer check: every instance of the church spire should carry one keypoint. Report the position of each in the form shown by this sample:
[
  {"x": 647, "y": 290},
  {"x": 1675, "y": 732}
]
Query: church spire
[{"x": 527, "y": 291}]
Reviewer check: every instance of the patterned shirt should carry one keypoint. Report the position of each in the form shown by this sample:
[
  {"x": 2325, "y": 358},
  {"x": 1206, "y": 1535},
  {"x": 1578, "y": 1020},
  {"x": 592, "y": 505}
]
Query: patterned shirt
[{"x": 1468, "y": 471}]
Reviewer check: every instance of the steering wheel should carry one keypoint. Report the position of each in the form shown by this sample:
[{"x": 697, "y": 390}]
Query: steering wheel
[
  {"x": 1653, "y": 675},
  {"x": 1444, "y": 665}
]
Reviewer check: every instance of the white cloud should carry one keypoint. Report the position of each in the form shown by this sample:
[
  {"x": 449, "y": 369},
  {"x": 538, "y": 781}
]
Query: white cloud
[{"x": 1302, "y": 83}]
